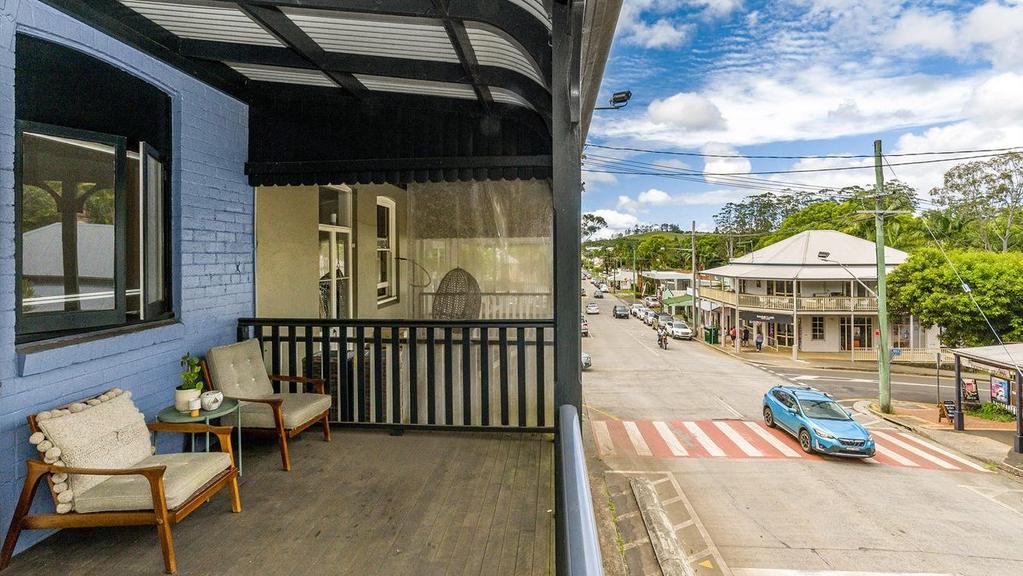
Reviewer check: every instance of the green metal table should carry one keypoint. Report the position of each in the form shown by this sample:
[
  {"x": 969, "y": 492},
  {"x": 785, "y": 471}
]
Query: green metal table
[{"x": 171, "y": 414}]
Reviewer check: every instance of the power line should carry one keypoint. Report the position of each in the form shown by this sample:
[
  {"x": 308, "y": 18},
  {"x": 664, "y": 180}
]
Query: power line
[{"x": 810, "y": 157}]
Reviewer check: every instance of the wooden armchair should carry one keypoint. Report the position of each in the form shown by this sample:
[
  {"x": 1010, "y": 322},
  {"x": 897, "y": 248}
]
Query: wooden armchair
[
  {"x": 99, "y": 462},
  {"x": 238, "y": 371}
]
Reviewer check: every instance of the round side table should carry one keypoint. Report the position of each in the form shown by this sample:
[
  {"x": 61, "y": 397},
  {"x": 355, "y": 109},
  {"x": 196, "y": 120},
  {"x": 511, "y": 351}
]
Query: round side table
[{"x": 171, "y": 414}]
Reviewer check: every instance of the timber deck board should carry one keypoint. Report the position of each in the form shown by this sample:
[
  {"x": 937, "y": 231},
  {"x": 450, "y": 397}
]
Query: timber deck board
[{"x": 424, "y": 503}]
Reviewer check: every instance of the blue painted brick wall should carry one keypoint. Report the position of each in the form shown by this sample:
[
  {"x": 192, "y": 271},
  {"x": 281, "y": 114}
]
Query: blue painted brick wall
[{"x": 213, "y": 250}]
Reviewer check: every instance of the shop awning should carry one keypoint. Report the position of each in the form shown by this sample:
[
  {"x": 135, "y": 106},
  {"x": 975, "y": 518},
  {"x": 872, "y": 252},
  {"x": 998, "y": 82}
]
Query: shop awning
[{"x": 678, "y": 300}]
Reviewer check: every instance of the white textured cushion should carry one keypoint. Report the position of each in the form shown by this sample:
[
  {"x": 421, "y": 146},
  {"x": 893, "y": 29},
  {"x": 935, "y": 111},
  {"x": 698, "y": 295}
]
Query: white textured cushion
[
  {"x": 186, "y": 474},
  {"x": 297, "y": 409},
  {"x": 238, "y": 371},
  {"x": 112, "y": 434}
]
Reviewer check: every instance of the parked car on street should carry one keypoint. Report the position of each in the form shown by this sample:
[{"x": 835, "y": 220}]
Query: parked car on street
[
  {"x": 603, "y": 287},
  {"x": 681, "y": 331},
  {"x": 635, "y": 309},
  {"x": 597, "y": 293},
  {"x": 817, "y": 421},
  {"x": 620, "y": 311},
  {"x": 587, "y": 361},
  {"x": 663, "y": 320},
  {"x": 649, "y": 317},
  {"x": 584, "y": 326},
  {"x": 592, "y": 308},
  {"x": 650, "y": 301}
]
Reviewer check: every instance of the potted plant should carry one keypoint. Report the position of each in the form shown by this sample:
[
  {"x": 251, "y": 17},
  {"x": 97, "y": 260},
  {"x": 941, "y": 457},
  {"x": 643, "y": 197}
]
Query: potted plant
[{"x": 191, "y": 383}]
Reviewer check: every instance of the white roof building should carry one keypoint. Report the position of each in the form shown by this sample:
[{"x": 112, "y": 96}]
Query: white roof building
[{"x": 796, "y": 258}]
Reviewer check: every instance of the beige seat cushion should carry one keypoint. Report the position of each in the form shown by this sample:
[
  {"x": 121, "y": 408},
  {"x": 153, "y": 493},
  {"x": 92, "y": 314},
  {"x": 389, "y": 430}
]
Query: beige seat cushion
[
  {"x": 297, "y": 409},
  {"x": 238, "y": 371},
  {"x": 186, "y": 474}
]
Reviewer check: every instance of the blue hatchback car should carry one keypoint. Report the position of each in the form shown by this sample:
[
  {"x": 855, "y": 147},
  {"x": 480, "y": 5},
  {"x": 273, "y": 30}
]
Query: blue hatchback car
[{"x": 817, "y": 421}]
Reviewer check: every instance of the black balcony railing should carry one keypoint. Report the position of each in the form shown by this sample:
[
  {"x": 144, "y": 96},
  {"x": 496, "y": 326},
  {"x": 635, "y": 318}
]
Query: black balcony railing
[{"x": 480, "y": 374}]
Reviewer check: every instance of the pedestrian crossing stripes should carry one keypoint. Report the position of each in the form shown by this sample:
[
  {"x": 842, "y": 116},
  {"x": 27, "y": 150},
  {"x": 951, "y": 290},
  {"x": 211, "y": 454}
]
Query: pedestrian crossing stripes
[{"x": 741, "y": 439}]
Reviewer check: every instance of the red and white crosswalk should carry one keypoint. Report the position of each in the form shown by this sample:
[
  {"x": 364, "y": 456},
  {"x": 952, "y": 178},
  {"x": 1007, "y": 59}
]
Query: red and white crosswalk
[{"x": 745, "y": 439}]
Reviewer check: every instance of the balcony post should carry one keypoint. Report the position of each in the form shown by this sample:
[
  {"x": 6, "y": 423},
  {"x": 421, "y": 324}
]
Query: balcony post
[
  {"x": 738, "y": 334},
  {"x": 795, "y": 320}
]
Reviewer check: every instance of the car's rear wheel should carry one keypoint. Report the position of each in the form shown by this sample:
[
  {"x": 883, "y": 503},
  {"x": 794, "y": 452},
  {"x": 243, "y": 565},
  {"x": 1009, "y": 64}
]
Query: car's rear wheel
[
  {"x": 768, "y": 417},
  {"x": 805, "y": 442}
]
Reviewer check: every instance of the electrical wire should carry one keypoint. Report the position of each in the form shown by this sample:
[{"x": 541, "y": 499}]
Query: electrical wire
[{"x": 810, "y": 157}]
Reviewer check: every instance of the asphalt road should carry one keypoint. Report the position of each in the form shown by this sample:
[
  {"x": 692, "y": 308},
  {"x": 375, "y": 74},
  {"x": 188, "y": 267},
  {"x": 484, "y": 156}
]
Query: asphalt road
[
  {"x": 651, "y": 413},
  {"x": 852, "y": 384}
]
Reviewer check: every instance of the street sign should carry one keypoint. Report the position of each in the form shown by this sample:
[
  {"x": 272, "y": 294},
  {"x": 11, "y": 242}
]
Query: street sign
[{"x": 896, "y": 352}]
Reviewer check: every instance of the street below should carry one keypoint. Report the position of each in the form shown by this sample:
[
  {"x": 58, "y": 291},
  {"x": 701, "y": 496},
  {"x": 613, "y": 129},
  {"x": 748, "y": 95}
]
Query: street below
[{"x": 676, "y": 438}]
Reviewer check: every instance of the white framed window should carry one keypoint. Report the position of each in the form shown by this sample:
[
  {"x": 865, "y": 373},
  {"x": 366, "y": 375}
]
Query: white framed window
[
  {"x": 817, "y": 327},
  {"x": 387, "y": 232}
]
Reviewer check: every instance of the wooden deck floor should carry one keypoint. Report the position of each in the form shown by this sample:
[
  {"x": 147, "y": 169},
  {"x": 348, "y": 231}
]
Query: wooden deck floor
[{"x": 425, "y": 503}]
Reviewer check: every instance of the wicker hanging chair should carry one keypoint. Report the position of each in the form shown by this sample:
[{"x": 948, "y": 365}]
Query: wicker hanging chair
[{"x": 457, "y": 297}]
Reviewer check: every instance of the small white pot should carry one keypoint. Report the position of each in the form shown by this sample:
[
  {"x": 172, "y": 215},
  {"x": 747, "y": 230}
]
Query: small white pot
[
  {"x": 183, "y": 397},
  {"x": 211, "y": 399}
]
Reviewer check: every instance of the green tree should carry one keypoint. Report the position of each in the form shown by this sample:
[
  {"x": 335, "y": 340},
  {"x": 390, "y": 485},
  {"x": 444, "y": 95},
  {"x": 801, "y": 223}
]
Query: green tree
[
  {"x": 38, "y": 208},
  {"x": 592, "y": 224},
  {"x": 927, "y": 287},
  {"x": 989, "y": 192}
]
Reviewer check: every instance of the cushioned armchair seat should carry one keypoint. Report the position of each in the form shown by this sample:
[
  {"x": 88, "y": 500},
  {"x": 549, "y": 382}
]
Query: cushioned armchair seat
[
  {"x": 239, "y": 372},
  {"x": 186, "y": 474},
  {"x": 297, "y": 409}
]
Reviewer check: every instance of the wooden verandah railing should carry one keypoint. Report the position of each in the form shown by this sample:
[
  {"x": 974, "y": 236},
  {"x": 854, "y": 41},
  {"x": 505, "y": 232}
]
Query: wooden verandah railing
[{"x": 480, "y": 374}]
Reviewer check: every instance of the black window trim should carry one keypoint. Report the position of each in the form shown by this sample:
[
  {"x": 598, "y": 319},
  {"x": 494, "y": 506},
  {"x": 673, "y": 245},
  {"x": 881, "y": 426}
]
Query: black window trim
[
  {"x": 30, "y": 326},
  {"x": 38, "y": 327}
]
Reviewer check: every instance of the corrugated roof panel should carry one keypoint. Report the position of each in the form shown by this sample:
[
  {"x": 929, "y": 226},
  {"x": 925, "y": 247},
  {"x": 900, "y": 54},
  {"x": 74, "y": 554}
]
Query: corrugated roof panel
[
  {"x": 492, "y": 48},
  {"x": 421, "y": 87},
  {"x": 222, "y": 23},
  {"x": 508, "y": 97},
  {"x": 281, "y": 74},
  {"x": 375, "y": 35},
  {"x": 536, "y": 9}
]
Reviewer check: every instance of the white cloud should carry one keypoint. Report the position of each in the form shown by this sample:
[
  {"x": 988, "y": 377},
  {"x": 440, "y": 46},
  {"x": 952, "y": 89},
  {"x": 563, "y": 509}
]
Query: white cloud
[
  {"x": 659, "y": 199},
  {"x": 654, "y": 196},
  {"x": 616, "y": 222},
  {"x": 645, "y": 23},
  {"x": 723, "y": 165},
  {"x": 923, "y": 30},
  {"x": 687, "y": 111}
]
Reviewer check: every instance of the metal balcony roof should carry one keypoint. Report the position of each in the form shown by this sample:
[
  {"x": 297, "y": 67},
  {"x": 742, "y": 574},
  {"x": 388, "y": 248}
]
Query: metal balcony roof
[{"x": 496, "y": 53}]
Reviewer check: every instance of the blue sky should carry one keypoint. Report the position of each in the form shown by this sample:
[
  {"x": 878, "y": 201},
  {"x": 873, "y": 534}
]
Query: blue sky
[{"x": 797, "y": 78}]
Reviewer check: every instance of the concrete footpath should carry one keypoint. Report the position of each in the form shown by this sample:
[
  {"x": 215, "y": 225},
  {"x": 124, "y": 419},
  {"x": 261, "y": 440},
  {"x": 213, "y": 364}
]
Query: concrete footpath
[{"x": 987, "y": 442}]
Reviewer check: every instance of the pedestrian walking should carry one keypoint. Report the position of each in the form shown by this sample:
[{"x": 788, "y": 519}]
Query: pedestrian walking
[
  {"x": 731, "y": 335},
  {"x": 760, "y": 341},
  {"x": 745, "y": 336}
]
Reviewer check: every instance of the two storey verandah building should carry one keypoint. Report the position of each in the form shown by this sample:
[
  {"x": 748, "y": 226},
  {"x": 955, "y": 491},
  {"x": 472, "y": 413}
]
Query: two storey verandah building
[{"x": 803, "y": 301}]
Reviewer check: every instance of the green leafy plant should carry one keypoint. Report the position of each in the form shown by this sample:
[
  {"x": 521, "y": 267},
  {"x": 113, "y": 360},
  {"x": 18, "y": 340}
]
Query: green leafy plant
[
  {"x": 992, "y": 411},
  {"x": 190, "y": 373}
]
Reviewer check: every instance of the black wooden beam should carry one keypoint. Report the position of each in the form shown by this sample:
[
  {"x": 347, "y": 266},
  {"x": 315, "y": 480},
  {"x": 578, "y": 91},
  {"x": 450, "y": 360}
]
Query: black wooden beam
[
  {"x": 496, "y": 76},
  {"x": 126, "y": 25},
  {"x": 391, "y": 164},
  {"x": 514, "y": 20},
  {"x": 275, "y": 22},
  {"x": 466, "y": 55}
]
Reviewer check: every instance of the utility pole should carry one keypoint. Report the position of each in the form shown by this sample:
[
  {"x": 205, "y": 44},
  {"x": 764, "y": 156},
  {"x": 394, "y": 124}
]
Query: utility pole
[
  {"x": 696, "y": 299},
  {"x": 884, "y": 385}
]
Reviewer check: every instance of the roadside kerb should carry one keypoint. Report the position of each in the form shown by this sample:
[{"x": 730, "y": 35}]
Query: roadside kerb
[{"x": 925, "y": 432}]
